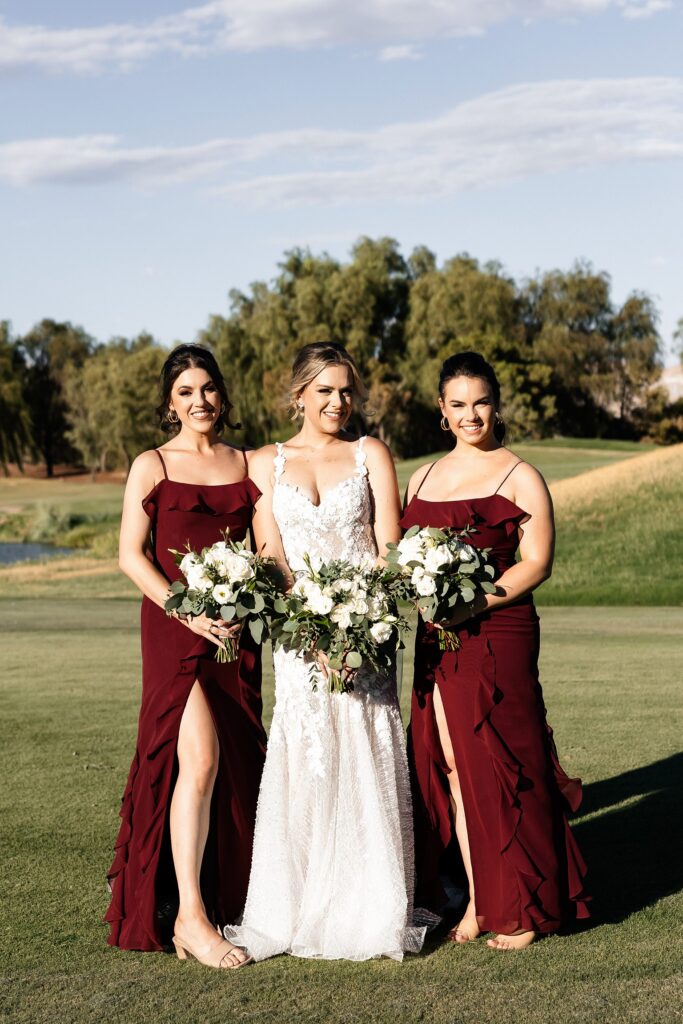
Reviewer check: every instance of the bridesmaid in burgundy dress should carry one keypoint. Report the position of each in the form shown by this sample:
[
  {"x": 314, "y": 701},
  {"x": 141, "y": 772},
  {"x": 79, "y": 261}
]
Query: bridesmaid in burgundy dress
[
  {"x": 482, "y": 754},
  {"x": 190, "y": 803}
]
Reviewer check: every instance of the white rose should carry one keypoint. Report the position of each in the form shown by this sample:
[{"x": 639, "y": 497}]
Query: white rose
[
  {"x": 197, "y": 578},
  {"x": 410, "y": 551},
  {"x": 381, "y": 632},
  {"x": 418, "y": 573},
  {"x": 317, "y": 602},
  {"x": 343, "y": 586},
  {"x": 222, "y": 593},
  {"x": 237, "y": 567},
  {"x": 377, "y": 606},
  {"x": 359, "y": 606},
  {"x": 438, "y": 558},
  {"x": 466, "y": 553},
  {"x": 342, "y": 615},
  {"x": 216, "y": 554},
  {"x": 188, "y": 562},
  {"x": 425, "y": 586}
]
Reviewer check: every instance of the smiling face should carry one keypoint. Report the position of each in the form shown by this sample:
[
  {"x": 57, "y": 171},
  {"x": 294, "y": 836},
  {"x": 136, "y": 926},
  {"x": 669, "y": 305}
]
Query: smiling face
[
  {"x": 328, "y": 400},
  {"x": 468, "y": 405},
  {"x": 196, "y": 400}
]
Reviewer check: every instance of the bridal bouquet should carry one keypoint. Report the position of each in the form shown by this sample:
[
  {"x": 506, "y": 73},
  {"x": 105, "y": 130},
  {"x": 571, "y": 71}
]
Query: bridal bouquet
[
  {"x": 226, "y": 581},
  {"x": 439, "y": 569},
  {"x": 345, "y": 610}
]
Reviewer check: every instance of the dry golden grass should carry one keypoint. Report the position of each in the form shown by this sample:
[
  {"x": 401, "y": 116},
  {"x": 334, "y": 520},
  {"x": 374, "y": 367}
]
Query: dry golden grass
[{"x": 623, "y": 478}]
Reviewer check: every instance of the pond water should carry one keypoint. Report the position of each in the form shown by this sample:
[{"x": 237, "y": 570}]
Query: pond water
[{"x": 11, "y": 552}]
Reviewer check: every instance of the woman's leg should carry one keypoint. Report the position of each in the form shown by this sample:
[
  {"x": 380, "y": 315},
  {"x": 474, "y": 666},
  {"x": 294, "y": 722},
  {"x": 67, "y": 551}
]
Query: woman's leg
[
  {"x": 198, "y": 754},
  {"x": 468, "y": 928}
]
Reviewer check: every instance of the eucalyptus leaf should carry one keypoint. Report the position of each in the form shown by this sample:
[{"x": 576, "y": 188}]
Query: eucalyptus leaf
[
  {"x": 256, "y": 629},
  {"x": 354, "y": 659},
  {"x": 227, "y": 612}
]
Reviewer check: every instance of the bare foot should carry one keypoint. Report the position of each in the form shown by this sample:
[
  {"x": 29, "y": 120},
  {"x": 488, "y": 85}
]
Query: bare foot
[
  {"x": 517, "y": 940},
  {"x": 198, "y": 938},
  {"x": 467, "y": 930}
]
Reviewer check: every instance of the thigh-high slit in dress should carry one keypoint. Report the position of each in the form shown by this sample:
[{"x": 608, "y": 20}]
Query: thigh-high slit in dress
[
  {"x": 527, "y": 868},
  {"x": 141, "y": 878}
]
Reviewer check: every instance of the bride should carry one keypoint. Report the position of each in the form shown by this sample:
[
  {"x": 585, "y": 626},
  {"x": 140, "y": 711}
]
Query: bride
[{"x": 332, "y": 868}]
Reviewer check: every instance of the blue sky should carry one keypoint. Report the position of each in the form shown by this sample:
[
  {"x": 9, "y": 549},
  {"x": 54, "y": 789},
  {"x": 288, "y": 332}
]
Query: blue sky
[{"x": 154, "y": 156}]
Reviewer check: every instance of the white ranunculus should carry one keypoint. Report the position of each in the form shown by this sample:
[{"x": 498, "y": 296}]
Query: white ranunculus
[
  {"x": 197, "y": 579},
  {"x": 343, "y": 586},
  {"x": 426, "y": 585},
  {"x": 359, "y": 605},
  {"x": 381, "y": 632},
  {"x": 222, "y": 593},
  {"x": 342, "y": 615}
]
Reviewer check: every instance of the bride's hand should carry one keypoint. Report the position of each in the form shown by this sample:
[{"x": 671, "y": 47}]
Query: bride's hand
[
  {"x": 347, "y": 674},
  {"x": 215, "y": 630}
]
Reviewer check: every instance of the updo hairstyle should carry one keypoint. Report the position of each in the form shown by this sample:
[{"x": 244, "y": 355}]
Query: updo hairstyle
[
  {"x": 473, "y": 364},
  {"x": 313, "y": 359},
  {"x": 187, "y": 357}
]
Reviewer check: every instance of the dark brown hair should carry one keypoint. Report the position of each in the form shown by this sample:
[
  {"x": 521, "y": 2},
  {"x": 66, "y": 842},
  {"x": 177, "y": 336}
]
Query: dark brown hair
[
  {"x": 473, "y": 365},
  {"x": 188, "y": 357}
]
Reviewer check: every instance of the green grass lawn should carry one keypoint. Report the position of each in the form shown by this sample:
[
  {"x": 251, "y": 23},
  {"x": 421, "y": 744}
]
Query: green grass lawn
[{"x": 69, "y": 698}]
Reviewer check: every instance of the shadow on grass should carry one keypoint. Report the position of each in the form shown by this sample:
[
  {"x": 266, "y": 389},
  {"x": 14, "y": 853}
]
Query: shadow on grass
[{"x": 633, "y": 852}]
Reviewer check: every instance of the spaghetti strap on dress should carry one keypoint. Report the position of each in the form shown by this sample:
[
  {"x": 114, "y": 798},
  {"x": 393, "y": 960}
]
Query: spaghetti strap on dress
[{"x": 142, "y": 878}]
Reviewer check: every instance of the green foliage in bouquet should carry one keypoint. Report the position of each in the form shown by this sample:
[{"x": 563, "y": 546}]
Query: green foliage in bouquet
[
  {"x": 226, "y": 581},
  {"x": 439, "y": 569},
  {"x": 346, "y": 611}
]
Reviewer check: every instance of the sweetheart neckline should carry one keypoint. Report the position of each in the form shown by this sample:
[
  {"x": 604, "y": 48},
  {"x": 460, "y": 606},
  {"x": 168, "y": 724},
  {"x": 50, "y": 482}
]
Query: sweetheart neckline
[{"x": 297, "y": 490}]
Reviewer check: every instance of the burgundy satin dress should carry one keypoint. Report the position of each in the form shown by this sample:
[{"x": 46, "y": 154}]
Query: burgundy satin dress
[
  {"x": 142, "y": 878},
  {"x": 527, "y": 868}
]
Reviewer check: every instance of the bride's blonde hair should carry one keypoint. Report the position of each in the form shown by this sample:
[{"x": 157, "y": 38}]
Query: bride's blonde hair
[{"x": 313, "y": 359}]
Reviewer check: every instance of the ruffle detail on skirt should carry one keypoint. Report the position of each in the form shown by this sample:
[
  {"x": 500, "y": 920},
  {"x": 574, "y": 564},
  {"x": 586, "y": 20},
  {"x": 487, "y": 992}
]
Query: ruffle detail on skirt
[{"x": 511, "y": 780}]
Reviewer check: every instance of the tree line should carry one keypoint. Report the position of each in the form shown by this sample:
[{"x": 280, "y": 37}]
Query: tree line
[{"x": 570, "y": 360}]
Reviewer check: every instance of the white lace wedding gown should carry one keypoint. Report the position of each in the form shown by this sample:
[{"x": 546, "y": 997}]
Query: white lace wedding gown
[{"x": 332, "y": 868}]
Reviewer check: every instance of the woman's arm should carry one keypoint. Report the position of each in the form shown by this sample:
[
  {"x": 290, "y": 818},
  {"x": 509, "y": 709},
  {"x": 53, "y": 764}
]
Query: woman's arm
[
  {"x": 135, "y": 530},
  {"x": 266, "y": 533},
  {"x": 536, "y": 548},
  {"x": 384, "y": 488}
]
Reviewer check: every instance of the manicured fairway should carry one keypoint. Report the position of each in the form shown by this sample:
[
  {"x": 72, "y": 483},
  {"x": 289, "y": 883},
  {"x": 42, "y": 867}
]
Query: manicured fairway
[{"x": 69, "y": 698}]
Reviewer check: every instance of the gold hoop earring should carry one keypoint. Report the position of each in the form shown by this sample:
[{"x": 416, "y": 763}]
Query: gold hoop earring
[
  {"x": 172, "y": 416},
  {"x": 444, "y": 425}
]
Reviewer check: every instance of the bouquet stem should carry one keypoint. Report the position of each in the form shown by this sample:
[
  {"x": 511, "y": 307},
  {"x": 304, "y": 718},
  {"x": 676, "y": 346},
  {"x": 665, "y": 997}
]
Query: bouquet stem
[
  {"x": 228, "y": 650},
  {"x": 448, "y": 641}
]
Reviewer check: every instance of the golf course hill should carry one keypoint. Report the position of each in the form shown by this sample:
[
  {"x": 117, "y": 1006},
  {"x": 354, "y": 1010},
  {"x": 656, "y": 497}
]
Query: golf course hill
[{"x": 619, "y": 535}]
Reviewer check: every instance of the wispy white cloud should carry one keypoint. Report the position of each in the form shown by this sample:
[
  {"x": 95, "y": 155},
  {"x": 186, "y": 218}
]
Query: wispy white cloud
[
  {"x": 403, "y": 52},
  {"x": 507, "y": 135},
  {"x": 391, "y": 26}
]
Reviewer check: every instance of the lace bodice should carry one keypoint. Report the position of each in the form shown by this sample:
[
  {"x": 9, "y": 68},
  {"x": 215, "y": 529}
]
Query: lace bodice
[{"x": 340, "y": 527}]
